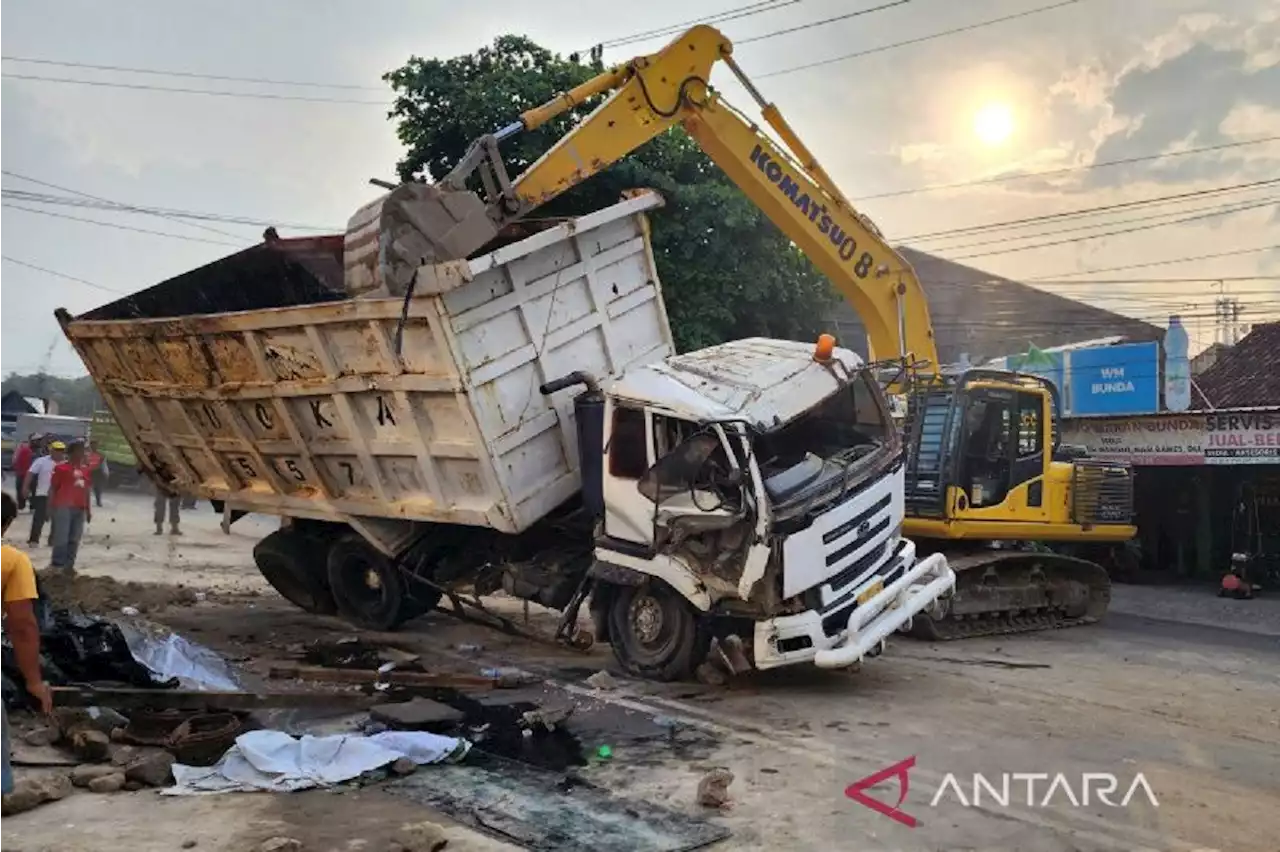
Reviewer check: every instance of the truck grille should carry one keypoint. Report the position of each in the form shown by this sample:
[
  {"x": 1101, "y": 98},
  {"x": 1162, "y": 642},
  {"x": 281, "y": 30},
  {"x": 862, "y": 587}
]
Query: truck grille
[{"x": 846, "y": 544}]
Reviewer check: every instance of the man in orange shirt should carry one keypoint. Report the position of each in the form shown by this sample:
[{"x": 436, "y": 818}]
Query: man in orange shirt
[
  {"x": 18, "y": 582},
  {"x": 99, "y": 470},
  {"x": 70, "y": 506}
]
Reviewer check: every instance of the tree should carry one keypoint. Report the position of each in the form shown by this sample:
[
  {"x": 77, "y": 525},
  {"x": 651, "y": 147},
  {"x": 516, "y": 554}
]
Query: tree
[
  {"x": 727, "y": 272},
  {"x": 76, "y": 397}
]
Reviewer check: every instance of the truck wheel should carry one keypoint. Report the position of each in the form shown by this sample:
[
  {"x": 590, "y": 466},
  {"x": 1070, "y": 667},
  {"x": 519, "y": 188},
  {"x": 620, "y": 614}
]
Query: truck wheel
[
  {"x": 294, "y": 566},
  {"x": 369, "y": 592},
  {"x": 654, "y": 632}
]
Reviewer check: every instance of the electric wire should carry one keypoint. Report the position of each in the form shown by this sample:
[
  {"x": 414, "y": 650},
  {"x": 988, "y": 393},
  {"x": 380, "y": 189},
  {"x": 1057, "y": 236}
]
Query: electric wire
[
  {"x": 1011, "y": 224},
  {"x": 1102, "y": 164},
  {"x": 919, "y": 39},
  {"x": 1240, "y": 209},
  {"x": 732, "y": 14},
  {"x": 111, "y": 84},
  {"x": 822, "y": 23},
  {"x": 57, "y": 274},
  {"x": 123, "y": 206},
  {"x": 1201, "y": 213},
  {"x": 100, "y": 223},
  {"x": 190, "y": 74}
]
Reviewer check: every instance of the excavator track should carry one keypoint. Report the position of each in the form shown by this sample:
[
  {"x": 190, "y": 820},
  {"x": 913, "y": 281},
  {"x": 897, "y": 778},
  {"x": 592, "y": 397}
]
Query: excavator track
[{"x": 999, "y": 592}]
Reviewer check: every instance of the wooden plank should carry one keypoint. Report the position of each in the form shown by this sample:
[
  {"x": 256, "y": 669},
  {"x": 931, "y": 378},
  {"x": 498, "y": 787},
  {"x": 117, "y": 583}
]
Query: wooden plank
[
  {"x": 370, "y": 676},
  {"x": 183, "y": 699}
]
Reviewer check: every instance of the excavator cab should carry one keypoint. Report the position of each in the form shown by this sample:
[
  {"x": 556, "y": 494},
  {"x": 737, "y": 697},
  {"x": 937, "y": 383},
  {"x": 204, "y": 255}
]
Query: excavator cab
[
  {"x": 1002, "y": 450},
  {"x": 983, "y": 465}
]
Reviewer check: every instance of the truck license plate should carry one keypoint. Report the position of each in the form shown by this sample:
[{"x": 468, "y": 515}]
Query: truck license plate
[{"x": 876, "y": 588}]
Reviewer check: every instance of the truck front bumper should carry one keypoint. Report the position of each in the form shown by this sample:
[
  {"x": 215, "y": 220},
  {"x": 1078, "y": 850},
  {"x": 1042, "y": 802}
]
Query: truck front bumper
[{"x": 802, "y": 637}]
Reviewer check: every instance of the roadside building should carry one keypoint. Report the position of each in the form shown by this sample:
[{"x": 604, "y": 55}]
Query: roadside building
[
  {"x": 1207, "y": 481},
  {"x": 984, "y": 316}
]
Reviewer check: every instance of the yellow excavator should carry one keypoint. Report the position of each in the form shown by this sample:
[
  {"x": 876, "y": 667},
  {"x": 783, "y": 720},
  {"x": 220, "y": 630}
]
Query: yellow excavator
[{"x": 986, "y": 482}]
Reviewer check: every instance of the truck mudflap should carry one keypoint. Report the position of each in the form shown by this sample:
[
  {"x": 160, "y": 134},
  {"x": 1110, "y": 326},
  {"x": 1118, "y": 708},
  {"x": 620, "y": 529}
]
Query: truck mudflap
[{"x": 782, "y": 641}]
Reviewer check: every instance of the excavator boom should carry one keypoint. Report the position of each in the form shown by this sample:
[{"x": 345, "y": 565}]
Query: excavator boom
[{"x": 648, "y": 96}]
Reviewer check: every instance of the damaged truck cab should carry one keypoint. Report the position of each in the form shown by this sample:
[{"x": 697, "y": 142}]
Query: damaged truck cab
[{"x": 761, "y": 481}]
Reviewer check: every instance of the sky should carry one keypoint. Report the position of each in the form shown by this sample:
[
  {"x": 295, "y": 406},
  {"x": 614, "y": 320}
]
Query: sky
[{"x": 1091, "y": 81}]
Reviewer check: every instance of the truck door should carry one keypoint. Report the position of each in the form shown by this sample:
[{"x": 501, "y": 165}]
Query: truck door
[{"x": 628, "y": 514}]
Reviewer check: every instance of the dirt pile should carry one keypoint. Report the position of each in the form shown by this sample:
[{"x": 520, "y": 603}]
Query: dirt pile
[{"x": 107, "y": 596}]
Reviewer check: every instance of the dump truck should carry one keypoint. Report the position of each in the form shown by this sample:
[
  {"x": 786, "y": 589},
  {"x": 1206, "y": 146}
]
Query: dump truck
[{"x": 518, "y": 422}]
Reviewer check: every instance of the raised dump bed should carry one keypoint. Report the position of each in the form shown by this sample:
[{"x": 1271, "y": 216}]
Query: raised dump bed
[{"x": 256, "y": 381}]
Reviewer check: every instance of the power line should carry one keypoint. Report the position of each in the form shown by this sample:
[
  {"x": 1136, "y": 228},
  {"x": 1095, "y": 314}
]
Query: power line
[
  {"x": 185, "y": 91},
  {"x": 1168, "y": 262},
  {"x": 120, "y": 227},
  {"x": 919, "y": 39},
  {"x": 192, "y": 74},
  {"x": 1239, "y": 209},
  {"x": 62, "y": 200},
  {"x": 64, "y": 275},
  {"x": 1204, "y": 213},
  {"x": 121, "y": 205},
  {"x": 732, "y": 14},
  {"x": 1209, "y": 279},
  {"x": 1087, "y": 211},
  {"x": 1071, "y": 169},
  {"x": 821, "y": 23}
]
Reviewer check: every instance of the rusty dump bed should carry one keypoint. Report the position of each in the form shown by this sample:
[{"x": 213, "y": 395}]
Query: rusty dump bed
[{"x": 290, "y": 399}]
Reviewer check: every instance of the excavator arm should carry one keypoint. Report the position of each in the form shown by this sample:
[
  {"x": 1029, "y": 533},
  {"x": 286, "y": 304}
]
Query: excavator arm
[{"x": 645, "y": 97}]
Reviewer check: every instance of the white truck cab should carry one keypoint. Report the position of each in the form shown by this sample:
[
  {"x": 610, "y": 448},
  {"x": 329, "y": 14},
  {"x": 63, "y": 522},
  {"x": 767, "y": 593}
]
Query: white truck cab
[{"x": 762, "y": 481}]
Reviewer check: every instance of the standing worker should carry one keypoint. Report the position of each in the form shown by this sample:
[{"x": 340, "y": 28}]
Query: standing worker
[
  {"x": 70, "y": 507},
  {"x": 23, "y": 456},
  {"x": 18, "y": 589},
  {"x": 99, "y": 470},
  {"x": 171, "y": 499},
  {"x": 36, "y": 486}
]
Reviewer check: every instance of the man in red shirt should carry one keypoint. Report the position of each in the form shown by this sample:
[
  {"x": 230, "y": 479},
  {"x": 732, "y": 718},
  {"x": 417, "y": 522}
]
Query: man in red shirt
[
  {"x": 22, "y": 458},
  {"x": 69, "y": 502}
]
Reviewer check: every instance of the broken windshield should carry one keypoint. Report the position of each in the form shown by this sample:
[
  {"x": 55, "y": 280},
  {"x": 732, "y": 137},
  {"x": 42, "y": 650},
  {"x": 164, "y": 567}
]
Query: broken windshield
[{"x": 824, "y": 444}]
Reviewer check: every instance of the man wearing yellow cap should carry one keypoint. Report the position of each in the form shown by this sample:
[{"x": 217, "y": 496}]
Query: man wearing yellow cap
[{"x": 36, "y": 487}]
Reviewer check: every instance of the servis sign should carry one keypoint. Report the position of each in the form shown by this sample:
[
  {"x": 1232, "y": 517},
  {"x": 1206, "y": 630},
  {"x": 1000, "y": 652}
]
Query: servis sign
[{"x": 1006, "y": 789}]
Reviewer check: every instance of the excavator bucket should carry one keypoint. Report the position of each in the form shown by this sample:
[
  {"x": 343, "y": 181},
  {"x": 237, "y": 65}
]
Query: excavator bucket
[{"x": 413, "y": 225}]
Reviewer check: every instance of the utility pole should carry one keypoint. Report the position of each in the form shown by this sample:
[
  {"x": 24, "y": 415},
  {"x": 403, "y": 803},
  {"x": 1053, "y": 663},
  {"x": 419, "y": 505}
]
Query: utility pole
[{"x": 1226, "y": 312}]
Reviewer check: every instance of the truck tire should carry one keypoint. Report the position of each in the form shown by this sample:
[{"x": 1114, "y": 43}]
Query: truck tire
[
  {"x": 655, "y": 633},
  {"x": 294, "y": 566},
  {"x": 369, "y": 590}
]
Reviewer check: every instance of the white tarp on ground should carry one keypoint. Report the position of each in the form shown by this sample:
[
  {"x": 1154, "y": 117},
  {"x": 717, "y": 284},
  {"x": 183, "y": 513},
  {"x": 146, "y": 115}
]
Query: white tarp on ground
[{"x": 277, "y": 762}]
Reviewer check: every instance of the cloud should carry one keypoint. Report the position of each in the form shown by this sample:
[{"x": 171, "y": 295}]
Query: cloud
[
  {"x": 923, "y": 152},
  {"x": 1200, "y": 84}
]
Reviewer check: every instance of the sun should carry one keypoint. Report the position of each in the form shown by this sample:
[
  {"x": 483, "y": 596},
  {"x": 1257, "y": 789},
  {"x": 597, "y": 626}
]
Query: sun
[{"x": 993, "y": 123}]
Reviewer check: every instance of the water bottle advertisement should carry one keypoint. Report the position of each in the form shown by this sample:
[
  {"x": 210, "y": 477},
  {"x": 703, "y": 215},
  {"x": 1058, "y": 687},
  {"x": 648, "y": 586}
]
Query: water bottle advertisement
[{"x": 1177, "y": 367}]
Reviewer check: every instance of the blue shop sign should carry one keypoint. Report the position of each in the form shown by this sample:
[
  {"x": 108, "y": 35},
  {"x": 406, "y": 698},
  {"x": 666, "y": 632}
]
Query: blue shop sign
[{"x": 1115, "y": 379}]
